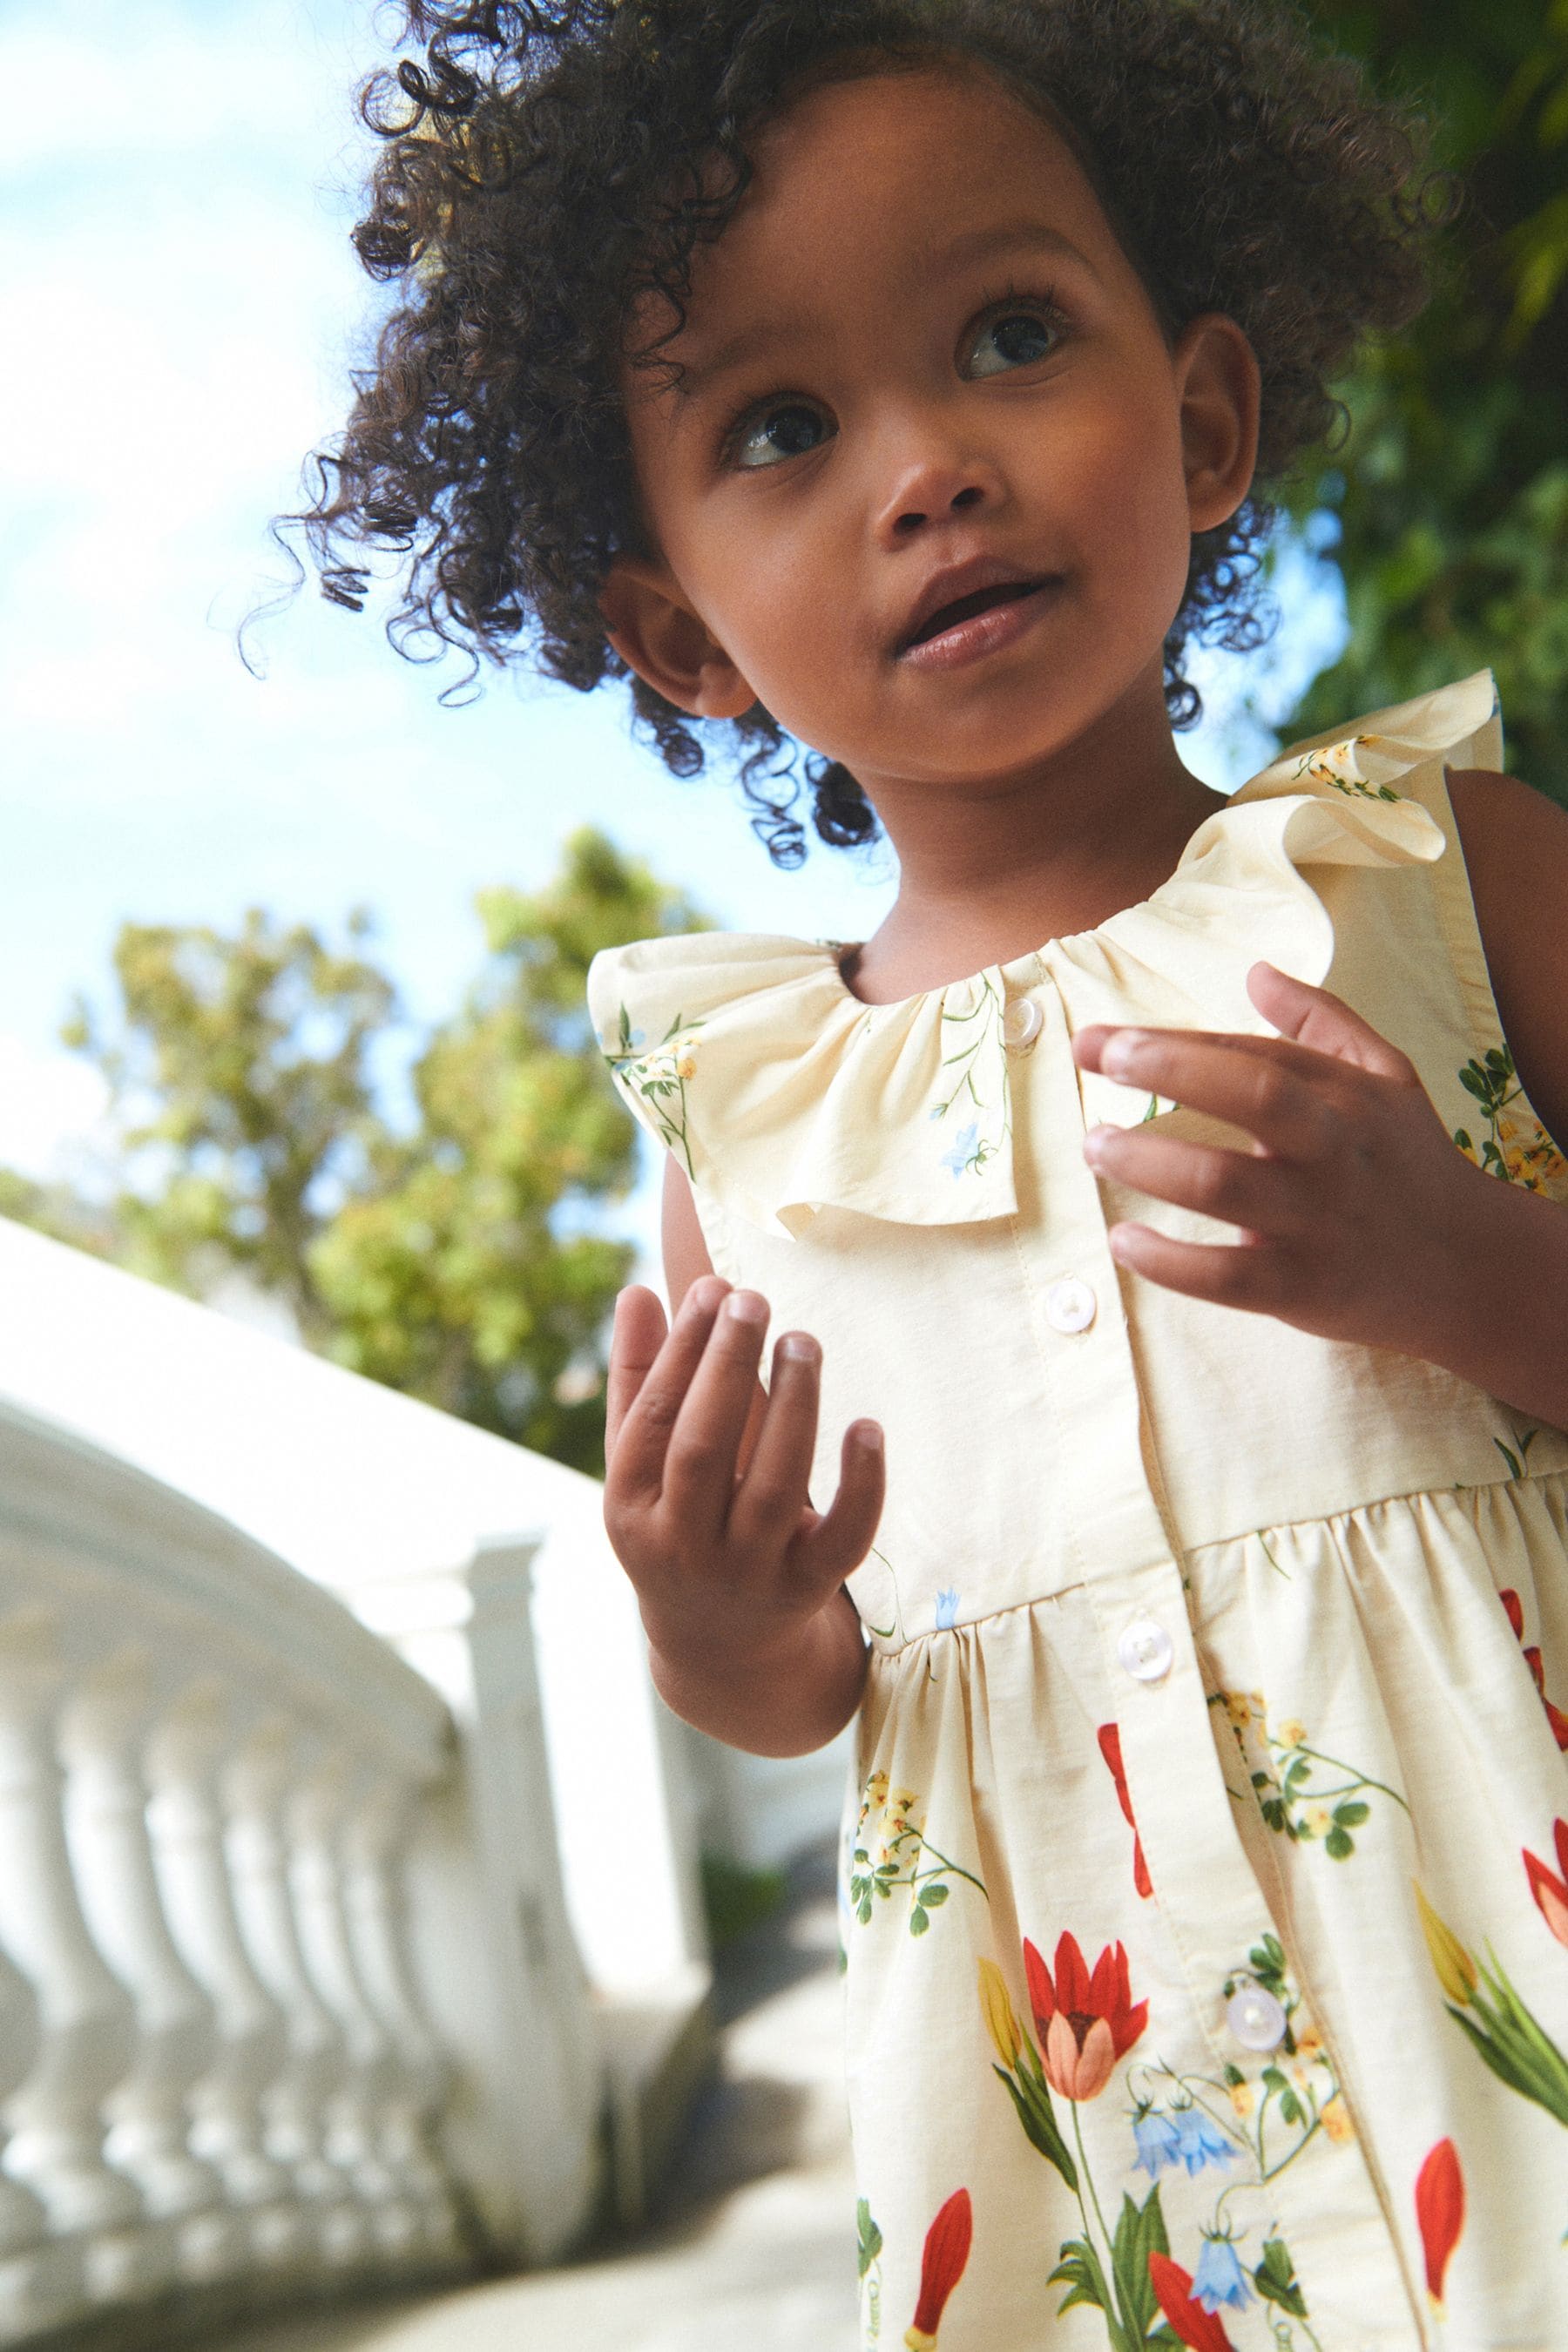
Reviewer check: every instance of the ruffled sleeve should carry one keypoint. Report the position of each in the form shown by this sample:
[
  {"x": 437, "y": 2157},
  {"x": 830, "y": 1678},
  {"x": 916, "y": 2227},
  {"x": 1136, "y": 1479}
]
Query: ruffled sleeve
[{"x": 780, "y": 1092}]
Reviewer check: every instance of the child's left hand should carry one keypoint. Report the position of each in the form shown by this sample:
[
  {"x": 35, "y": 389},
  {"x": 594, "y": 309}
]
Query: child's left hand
[{"x": 1359, "y": 1213}]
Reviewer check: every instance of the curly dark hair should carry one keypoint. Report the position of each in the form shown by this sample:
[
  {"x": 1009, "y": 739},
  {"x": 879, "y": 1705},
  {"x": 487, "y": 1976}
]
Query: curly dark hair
[{"x": 548, "y": 162}]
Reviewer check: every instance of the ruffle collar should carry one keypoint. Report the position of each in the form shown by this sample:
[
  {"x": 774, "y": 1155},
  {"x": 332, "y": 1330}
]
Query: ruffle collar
[{"x": 781, "y": 1093}]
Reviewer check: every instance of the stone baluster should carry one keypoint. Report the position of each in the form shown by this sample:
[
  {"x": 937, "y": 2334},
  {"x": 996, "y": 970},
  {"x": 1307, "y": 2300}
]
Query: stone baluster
[
  {"x": 261, "y": 1784},
  {"x": 374, "y": 2072},
  {"x": 185, "y": 1759},
  {"x": 375, "y": 1836},
  {"x": 43, "y": 2280},
  {"x": 103, "y": 1731},
  {"x": 87, "y": 2019}
]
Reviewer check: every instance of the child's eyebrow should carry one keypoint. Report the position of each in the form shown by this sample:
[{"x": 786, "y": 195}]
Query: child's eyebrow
[{"x": 697, "y": 375}]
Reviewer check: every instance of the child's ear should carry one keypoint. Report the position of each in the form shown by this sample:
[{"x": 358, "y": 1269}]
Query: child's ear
[
  {"x": 656, "y": 632},
  {"x": 1220, "y": 384}
]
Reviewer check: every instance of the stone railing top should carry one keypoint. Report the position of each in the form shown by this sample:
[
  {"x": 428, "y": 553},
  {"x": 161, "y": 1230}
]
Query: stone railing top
[{"x": 113, "y": 1525}]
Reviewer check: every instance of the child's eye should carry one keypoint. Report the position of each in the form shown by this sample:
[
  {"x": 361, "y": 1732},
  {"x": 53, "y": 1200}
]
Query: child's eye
[
  {"x": 790, "y": 429},
  {"x": 1013, "y": 340}
]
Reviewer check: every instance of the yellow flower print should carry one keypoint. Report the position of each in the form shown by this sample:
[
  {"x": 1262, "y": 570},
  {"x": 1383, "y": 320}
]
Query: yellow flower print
[
  {"x": 1518, "y": 1147},
  {"x": 1339, "y": 764},
  {"x": 1244, "y": 2098},
  {"x": 1455, "y": 1969},
  {"x": 1001, "y": 2022},
  {"x": 657, "y": 1075},
  {"x": 1336, "y": 2121},
  {"x": 1303, "y": 1793},
  {"x": 891, "y": 1849}
]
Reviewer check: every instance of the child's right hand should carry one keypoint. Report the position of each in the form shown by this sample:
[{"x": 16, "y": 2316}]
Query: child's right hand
[{"x": 705, "y": 1491}]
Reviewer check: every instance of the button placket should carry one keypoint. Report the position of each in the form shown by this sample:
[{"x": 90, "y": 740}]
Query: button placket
[
  {"x": 1021, "y": 1023},
  {"x": 1070, "y": 1304},
  {"x": 1255, "y": 2018},
  {"x": 1133, "y": 1574},
  {"x": 1145, "y": 1650}
]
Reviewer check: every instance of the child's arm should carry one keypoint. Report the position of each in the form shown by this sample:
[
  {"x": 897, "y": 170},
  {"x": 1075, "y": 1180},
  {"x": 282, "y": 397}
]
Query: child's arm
[{"x": 741, "y": 1582}]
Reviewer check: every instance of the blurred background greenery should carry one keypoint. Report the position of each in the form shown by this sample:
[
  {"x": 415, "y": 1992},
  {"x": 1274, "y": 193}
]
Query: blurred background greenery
[
  {"x": 1452, "y": 492},
  {"x": 458, "y": 1251}
]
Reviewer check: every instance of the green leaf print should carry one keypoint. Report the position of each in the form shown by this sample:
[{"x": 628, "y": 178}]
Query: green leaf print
[
  {"x": 1274, "y": 2279},
  {"x": 1139, "y": 2232},
  {"x": 1035, "y": 2113},
  {"x": 868, "y": 2238},
  {"x": 1524, "y": 1439},
  {"x": 890, "y": 1826},
  {"x": 1078, "y": 2270},
  {"x": 1303, "y": 1793},
  {"x": 659, "y": 1074},
  {"x": 982, "y": 1138},
  {"x": 1505, "y": 2033},
  {"x": 1516, "y": 1147},
  {"x": 1327, "y": 766},
  {"x": 1127, "y": 2300}
]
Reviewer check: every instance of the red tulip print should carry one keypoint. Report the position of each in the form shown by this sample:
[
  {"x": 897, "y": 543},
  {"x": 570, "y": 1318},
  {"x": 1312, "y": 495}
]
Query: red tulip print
[
  {"x": 1439, "y": 2212},
  {"x": 1196, "y": 2327},
  {"x": 1086, "y": 2023},
  {"x": 1551, "y": 1888},
  {"x": 941, "y": 2266},
  {"x": 1109, "y": 1736},
  {"x": 1532, "y": 1659}
]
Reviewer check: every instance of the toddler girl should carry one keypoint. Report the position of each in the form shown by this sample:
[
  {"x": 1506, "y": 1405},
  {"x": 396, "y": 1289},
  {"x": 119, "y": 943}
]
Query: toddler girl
[{"x": 901, "y": 374}]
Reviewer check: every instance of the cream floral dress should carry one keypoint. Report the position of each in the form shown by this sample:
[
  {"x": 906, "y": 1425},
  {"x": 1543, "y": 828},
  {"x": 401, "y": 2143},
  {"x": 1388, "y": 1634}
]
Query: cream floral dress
[{"x": 1206, "y": 1872}]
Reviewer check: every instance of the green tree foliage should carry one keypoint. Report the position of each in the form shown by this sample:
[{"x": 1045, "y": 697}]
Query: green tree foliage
[
  {"x": 238, "y": 1069},
  {"x": 1452, "y": 490},
  {"x": 456, "y": 1259},
  {"x": 469, "y": 1272}
]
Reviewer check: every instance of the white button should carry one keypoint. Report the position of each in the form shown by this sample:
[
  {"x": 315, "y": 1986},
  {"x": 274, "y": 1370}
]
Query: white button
[
  {"x": 1020, "y": 1024},
  {"x": 1145, "y": 1650},
  {"x": 1255, "y": 2017},
  {"x": 1069, "y": 1305}
]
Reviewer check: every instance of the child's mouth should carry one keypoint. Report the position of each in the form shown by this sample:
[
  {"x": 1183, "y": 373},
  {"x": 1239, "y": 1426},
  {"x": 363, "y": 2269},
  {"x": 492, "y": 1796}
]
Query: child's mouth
[{"x": 975, "y": 624}]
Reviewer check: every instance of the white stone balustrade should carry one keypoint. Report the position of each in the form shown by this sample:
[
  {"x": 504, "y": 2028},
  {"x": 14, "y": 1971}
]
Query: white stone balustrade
[
  {"x": 488, "y": 1964},
  {"x": 225, "y": 1807}
]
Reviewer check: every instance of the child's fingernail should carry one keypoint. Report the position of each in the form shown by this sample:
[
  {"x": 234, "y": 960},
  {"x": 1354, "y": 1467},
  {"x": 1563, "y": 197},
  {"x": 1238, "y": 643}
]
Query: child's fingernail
[
  {"x": 1119, "y": 1052},
  {"x": 1095, "y": 1142},
  {"x": 867, "y": 1434}
]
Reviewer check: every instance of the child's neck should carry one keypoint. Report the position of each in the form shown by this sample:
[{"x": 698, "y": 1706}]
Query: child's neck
[{"x": 1040, "y": 858}]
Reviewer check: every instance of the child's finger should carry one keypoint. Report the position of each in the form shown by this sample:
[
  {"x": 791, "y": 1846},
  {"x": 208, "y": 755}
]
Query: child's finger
[
  {"x": 652, "y": 1392},
  {"x": 772, "y": 1493},
  {"x": 637, "y": 1337},
  {"x": 699, "y": 1481},
  {"x": 826, "y": 1554}
]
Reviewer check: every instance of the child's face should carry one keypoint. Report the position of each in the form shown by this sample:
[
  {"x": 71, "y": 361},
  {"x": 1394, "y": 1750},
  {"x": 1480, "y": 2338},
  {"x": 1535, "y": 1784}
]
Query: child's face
[{"x": 928, "y": 488}]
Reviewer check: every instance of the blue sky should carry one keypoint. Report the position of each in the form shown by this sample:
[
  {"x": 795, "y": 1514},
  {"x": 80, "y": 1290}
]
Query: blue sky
[{"x": 176, "y": 186}]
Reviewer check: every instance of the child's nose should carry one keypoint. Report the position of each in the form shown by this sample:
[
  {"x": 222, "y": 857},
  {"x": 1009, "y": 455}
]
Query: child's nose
[{"x": 934, "y": 478}]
